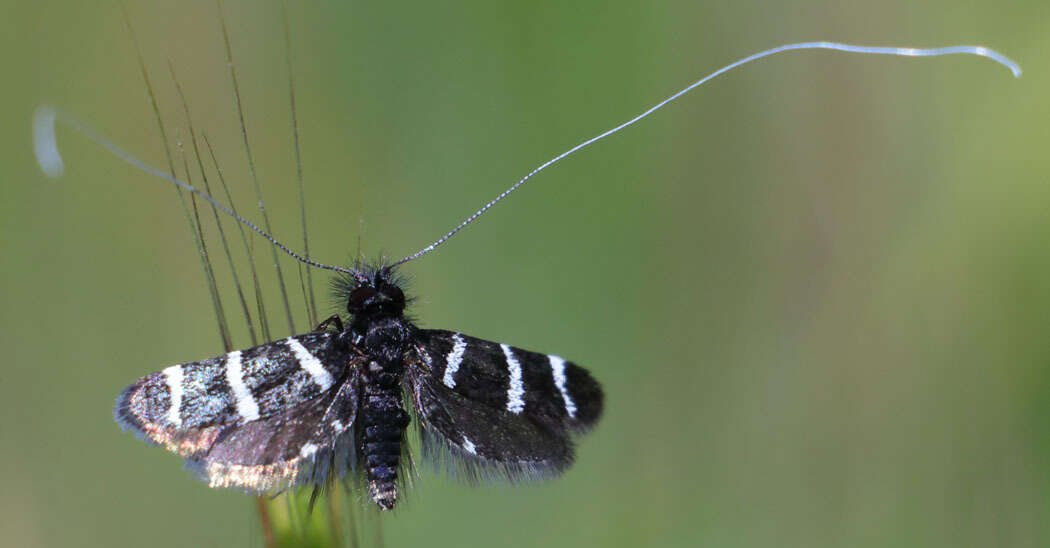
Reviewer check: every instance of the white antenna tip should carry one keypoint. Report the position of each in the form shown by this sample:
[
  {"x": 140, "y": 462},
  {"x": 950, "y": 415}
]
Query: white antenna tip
[{"x": 45, "y": 144}]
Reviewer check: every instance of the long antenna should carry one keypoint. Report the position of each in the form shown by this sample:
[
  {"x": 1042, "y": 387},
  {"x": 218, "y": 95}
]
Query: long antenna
[
  {"x": 905, "y": 52},
  {"x": 46, "y": 147}
]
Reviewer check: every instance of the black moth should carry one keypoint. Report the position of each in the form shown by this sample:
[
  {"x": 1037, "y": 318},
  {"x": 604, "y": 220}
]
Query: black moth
[
  {"x": 312, "y": 407},
  {"x": 306, "y": 409}
]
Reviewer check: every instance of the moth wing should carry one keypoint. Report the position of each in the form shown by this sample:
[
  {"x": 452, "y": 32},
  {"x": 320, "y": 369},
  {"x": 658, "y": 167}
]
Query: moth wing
[
  {"x": 302, "y": 445},
  {"x": 472, "y": 440},
  {"x": 491, "y": 410},
  {"x": 545, "y": 387},
  {"x": 185, "y": 407}
]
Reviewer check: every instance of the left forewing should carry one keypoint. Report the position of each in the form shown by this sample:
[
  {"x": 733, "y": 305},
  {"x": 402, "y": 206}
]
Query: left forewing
[
  {"x": 250, "y": 418},
  {"x": 184, "y": 407}
]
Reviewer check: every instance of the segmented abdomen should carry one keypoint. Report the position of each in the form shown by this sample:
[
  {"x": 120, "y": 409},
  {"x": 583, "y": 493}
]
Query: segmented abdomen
[{"x": 383, "y": 423}]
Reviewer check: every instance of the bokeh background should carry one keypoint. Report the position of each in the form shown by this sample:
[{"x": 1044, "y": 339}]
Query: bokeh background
[{"x": 817, "y": 290}]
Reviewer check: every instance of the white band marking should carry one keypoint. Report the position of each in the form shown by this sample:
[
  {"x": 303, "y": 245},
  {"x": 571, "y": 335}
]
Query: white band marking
[
  {"x": 516, "y": 389},
  {"x": 311, "y": 364},
  {"x": 455, "y": 357},
  {"x": 469, "y": 446},
  {"x": 558, "y": 370},
  {"x": 246, "y": 405},
  {"x": 308, "y": 450},
  {"x": 173, "y": 376}
]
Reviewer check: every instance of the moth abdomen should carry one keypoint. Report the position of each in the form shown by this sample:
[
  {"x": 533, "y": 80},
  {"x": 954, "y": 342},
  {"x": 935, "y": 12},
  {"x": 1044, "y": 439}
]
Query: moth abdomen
[
  {"x": 382, "y": 429},
  {"x": 384, "y": 423}
]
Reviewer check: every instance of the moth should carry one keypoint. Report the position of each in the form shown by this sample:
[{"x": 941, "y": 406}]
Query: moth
[
  {"x": 297, "y": 411},
  {"x": 304, "y": 410}
]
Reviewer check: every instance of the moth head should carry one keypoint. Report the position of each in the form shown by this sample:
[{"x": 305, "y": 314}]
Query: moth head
[{"x": 376, "y": 297}]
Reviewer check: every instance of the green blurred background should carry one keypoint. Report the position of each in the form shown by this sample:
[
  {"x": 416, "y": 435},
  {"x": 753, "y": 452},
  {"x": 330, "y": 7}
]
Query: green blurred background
[{"x": 816, "y": 290}]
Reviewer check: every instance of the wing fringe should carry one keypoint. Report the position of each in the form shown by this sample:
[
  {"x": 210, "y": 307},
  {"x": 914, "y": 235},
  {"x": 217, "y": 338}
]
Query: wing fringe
[
  {"x": 458, "y": 463},
  {"x": 318, "y": 469}
]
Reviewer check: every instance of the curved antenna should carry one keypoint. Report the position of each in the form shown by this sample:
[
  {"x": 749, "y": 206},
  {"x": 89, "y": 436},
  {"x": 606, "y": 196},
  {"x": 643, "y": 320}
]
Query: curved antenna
[
  {"x": 905, "y": 52},
  {"x": 45, "y": 145}
]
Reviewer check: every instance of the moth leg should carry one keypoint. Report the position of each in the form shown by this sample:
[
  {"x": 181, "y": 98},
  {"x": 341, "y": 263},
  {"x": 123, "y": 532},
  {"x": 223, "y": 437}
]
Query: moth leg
[{"x": 335, "y": 320}]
